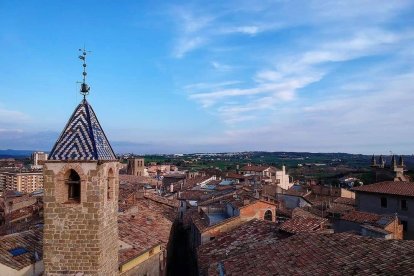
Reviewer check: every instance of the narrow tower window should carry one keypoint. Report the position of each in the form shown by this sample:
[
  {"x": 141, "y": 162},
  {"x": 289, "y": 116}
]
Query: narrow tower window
[
  {"x": 74, "y": 188},
  {"x": 110, "y": 185}
]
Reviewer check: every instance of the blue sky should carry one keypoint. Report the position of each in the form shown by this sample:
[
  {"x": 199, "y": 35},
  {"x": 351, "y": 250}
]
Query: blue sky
[{"x": 209, "y": 76}]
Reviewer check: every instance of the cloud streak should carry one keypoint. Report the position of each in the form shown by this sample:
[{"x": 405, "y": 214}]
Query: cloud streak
[{"x": 335, "y": 75}]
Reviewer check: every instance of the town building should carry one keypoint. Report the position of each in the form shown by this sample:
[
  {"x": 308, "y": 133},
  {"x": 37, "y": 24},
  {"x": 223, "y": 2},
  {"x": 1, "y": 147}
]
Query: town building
[
  {"x": 268, "y": 174},
  {"x": 136, "y": 166},
  {"x": 38, "y": 158},
  {"x": 144, "y": 232},
  {"x": 21, "y": 253},
  {"x": 389, "y": 198},
  {"x": 19, "y": 212},
  {"x": 369, "y": 224},
  {"x": 218, "y": 216},
  {"x": 394, "y": 171},
  {"x": 25, "y": 182}
]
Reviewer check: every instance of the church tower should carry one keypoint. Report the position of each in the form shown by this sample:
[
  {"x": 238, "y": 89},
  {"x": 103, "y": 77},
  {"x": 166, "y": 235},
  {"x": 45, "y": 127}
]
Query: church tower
[{"x": 81, "y": 197}]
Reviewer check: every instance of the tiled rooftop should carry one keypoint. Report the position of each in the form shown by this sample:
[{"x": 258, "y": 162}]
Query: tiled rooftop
[
  {"x": 321, "y": 254},
  {"x": 194, "y": 195},
  {"x": 345, "y": 200},
  {"x": 135, "y": 179},
  {"x": 300, "y": 212},
  {"x": 254, "y": 168},
  {"x": 144, "y": 226},
  {"x": 301, "y": 224},
  {"x": 361, "y": 217},
  {"x": 388, "y": 187},
  {"x": 30, "y": 241},
  {"x": 245, "y": 238},
  {"x": 82, "y": 138},
  {"x": 234, "y": 175},
  {"x": 337, "y": 208}
]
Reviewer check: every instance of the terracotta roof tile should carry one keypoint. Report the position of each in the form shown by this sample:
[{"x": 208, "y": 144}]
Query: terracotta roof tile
[
  {"x": 144, "y": 226},
  {"x": 254, "y": 168},
  {"x": 337, "y": 208},
  {"x": 361, "y": 217},
  {"x": 388, "y": 187},
  {"x": 31, "y": 241},
  {"x": 345, "y": 200},
  {"x": 244, "y": 238},
  {"x": 322, "y": 254},
  {"x": 301, "y": 224}
]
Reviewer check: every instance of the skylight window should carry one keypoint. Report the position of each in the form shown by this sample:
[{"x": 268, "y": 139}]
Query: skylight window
[{"x": 18, "y": 251}]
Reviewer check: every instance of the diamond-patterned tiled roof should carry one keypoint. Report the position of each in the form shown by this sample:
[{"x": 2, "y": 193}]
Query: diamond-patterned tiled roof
[{"x": 82, "y": 138}]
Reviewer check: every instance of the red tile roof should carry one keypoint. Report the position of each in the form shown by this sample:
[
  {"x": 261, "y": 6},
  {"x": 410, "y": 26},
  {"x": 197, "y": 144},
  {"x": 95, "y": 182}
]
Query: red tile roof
[
  {"x": 234, "y": 175},
  {"x": 28, "y": 240},
  {"x": 254, "y": 168},
  {"x": 361, "y": 217},
  {"x": 194, "y": 195},
  {"x": 300, "y": 212},
  {"x": 144, "y": 226},
  {"x": 337, "y": 208},
  {"x": 301, "y": 224},
  {"x": 345, "y": 200},
  {"x": 321, "y": 254},
  {"x": 252, "y": 234},
  {"x": 388, "y": 187}
]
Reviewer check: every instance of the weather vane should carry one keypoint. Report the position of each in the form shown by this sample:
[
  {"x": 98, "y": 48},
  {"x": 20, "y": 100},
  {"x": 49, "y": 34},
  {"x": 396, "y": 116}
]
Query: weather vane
[{"x": 84, "y": 87}]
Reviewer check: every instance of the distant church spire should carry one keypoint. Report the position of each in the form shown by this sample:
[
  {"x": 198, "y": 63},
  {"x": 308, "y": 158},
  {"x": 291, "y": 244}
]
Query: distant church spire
[
  {"x": 393, "y": 161},
  {"x": 84, "y": 87},
  {"x": 401, "y": 161},
  {"x": 381, "y": 161},
  {"x": 373, "y": 161}
]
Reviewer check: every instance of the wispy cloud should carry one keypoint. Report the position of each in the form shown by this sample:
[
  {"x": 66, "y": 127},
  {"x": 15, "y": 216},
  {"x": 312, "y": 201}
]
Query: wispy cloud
[
  {"x": 12, "y": 117},
  {"x": 221, "y": 67},
  {"x": 196, "y": 87},
  {"x": 190, "y": 29},
  {"x": 335, "y": 73},
  {"x": 274, "y": 86}
]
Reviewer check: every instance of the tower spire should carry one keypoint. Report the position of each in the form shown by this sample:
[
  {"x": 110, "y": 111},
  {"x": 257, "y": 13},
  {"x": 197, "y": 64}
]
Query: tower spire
[{"x": 84, "y": 87}]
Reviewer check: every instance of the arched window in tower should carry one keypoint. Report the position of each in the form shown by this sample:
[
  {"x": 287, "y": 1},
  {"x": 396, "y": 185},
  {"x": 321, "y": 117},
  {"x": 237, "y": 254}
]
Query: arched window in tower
[
  {"x": 268, "y": 215},
  {"x": 110, "y": 185},
  {"x": 74, "y": 186}
]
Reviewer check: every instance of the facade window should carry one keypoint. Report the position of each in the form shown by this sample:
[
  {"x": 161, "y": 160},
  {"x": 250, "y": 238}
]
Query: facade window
[
  {"x": 384, "y": 202},
  {"x": 405, "y": 225},
  {"x": 74, "y": 187},
  {"x": 268, "y": 215},
  {"x": 404, "y": 204}
]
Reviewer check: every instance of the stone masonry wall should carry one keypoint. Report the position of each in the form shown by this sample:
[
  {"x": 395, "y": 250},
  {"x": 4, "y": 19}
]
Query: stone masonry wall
[{"x": 81, "y": 237}]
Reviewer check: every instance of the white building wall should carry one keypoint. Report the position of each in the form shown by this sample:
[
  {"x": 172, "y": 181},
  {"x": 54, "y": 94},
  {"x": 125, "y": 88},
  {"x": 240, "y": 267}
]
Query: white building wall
[
  {"x": 31, "y": 270},
  {"x": 283, "y": 179}
]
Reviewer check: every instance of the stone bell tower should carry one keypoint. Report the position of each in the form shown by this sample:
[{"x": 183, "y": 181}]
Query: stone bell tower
[{"x": 81, "y": 198}]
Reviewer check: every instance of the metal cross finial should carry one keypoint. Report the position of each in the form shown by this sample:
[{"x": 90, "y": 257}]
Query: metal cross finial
[{"x": 84, "y": 87}]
